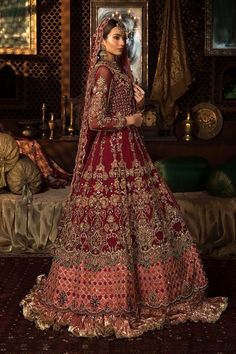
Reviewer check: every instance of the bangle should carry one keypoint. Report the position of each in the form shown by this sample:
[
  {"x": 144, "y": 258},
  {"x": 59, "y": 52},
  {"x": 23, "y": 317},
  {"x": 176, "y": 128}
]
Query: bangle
[{"x": 122, "y": 122}]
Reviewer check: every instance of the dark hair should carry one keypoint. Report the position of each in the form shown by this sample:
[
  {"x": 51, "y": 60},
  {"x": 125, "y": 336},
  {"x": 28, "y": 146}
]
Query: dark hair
[{"x": 110, "y": 25}]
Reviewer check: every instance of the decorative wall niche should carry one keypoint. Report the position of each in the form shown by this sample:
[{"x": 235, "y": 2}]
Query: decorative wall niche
[
  {"x": 39, "y": 75},
  {"x": 12, "y": 86},
  {"x": 228, "y": 86},
  {"x": 8, "y": 82}
]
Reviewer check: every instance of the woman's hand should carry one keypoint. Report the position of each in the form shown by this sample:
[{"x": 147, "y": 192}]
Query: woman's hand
[
  {"x": 135, "y": 119},
  {"x": 139, "y": 95}
]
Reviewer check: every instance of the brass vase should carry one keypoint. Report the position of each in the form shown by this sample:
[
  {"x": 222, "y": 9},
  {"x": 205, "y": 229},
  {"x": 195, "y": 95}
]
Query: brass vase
[{"x": 51, "y": 124}]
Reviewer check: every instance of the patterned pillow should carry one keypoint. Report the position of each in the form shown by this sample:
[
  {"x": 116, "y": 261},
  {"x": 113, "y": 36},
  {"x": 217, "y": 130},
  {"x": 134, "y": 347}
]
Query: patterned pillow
[
  {"x": 24, "y": 174},
  {"x": 9, "y": 154},
  {"x": 184, "y": 173},
  {"x": 222, "y": 180}
]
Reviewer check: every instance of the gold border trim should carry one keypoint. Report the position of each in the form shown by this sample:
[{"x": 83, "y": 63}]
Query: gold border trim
[{"x": 32, "y": 49}]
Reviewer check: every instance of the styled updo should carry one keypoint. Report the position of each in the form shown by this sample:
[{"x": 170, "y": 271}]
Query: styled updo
[{"x": 112, "y": 23}]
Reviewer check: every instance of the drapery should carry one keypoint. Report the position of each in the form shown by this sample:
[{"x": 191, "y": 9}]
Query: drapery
[
  {"x": 172, "y": 76},
  {"x": 211, "y": 220},
  {"x": 33, "y": 227}
]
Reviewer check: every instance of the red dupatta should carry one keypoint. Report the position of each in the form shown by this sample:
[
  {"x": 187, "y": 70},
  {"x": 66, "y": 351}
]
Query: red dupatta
[{"x": 87, "y": 136}]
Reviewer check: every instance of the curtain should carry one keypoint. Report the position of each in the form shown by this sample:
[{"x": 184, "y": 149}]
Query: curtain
[{"x": 172, "y": 76}]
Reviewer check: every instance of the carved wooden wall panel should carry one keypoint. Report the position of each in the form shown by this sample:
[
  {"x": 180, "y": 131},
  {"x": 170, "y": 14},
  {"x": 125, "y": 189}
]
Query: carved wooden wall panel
[{"x": 43, "y": 72}]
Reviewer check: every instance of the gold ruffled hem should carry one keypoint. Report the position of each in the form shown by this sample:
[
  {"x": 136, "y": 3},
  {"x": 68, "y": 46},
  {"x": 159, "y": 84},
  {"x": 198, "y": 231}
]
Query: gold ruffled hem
[{"x": 195, "y": 308}]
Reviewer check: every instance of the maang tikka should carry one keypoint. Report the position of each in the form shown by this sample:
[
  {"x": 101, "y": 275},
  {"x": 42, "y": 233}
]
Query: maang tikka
[{"x": 120, "y": 25}]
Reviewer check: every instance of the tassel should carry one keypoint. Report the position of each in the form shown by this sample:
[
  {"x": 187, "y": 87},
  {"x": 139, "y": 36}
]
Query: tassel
[
  {"x": 2, "y": 176},
  {"x": 27, "y": 196}
]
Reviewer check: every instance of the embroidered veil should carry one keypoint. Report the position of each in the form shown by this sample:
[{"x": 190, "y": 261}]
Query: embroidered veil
[{"x": 86, "y": 135}]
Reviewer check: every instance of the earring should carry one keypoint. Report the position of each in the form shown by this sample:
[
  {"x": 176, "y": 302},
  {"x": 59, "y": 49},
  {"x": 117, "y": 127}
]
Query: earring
[{"x": 103, "y": 52}]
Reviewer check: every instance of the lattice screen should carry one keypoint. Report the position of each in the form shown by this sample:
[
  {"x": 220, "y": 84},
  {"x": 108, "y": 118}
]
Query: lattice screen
[
  {"x": 42, "y": 72},
  {"x": 205, "y": 70}
]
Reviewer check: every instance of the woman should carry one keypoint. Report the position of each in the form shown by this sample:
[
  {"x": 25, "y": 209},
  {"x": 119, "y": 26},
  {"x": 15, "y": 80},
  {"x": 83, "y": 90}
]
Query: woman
[{"x": 124, "y": 261}]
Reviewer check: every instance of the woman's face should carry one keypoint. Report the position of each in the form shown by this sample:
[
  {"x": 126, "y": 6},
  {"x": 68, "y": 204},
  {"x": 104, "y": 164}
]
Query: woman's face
[{"x": 115, "y": 41}]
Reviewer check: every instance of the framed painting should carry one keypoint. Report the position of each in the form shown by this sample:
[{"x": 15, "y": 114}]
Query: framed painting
[
  {"x": 134, "y": 15},
  {"x": 18, "y": 27},
  {"x": 220, "y": 27}
]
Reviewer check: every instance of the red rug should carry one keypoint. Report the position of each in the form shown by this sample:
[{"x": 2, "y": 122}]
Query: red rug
[{"x": 17, "y": 275}]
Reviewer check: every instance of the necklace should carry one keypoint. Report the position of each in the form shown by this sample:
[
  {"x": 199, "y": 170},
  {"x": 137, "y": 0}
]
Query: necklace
[{"x": 112, "y": 63}]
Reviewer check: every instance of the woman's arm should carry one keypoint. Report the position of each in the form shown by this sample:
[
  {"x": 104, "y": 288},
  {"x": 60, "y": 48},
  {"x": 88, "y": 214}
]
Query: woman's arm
[
  {"x": 98, "y": 120},
  {"x": 139, "y": 95}
]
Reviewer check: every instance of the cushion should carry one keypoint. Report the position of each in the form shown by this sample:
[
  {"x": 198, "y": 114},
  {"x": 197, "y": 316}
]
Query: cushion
[
  {"x": 9, "y": 154},
  {"x": 221, "y": 181},
  {"x": 184, "y": 173},
  {"x": 24, "y": 174}
]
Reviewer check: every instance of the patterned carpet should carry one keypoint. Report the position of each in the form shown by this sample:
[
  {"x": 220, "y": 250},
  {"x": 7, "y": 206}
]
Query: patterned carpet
[{"x": 17, "y": 275}]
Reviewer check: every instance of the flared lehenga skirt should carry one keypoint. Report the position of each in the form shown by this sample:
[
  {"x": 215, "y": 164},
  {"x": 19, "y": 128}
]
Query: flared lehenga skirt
[{"x": 124, "y": 262}]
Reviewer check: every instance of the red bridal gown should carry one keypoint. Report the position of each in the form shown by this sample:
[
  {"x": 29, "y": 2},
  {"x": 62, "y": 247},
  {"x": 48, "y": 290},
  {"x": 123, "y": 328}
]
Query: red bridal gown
[{"x": 124, "y": 261}]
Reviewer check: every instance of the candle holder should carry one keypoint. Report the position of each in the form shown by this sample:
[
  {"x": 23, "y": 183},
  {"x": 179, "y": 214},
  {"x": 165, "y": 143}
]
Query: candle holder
[
  {"x": 63, "y": 116},
  {"x": 71, "y": 128},
  {"x": 51, "y": 124},
  {"x": 43, "y": 127},
  {"x": 188, "y": 128}
]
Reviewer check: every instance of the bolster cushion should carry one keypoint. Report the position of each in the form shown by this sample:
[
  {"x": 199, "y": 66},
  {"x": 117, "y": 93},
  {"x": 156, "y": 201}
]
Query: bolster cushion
[{"x": 184, "y": 173}]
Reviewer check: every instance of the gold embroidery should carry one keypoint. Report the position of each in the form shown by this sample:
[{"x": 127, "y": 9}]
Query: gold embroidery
[
  {"x": 124, "y": 261},
  {"x": 100, "y": 116},
  {"x": 110, "y": 208}
]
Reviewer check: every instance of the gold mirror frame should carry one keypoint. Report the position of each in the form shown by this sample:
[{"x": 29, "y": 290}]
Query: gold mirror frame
[
  {"x": 226, "y": 44},
  {"x": 139, "y": 8},
  {"x": 18, "y": 27}
]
